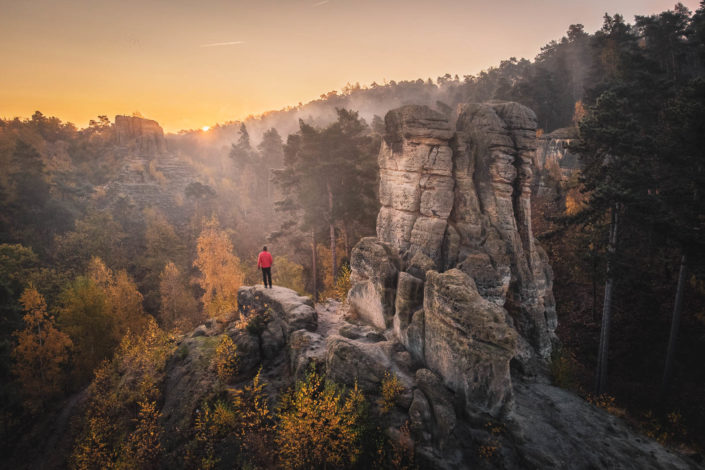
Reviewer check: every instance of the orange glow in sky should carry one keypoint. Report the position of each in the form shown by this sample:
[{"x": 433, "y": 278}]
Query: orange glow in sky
[{"x": 189, "y": 63}]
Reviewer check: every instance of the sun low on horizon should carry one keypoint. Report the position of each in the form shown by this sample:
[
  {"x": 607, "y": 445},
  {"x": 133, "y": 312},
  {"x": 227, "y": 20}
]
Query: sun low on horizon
[{"x": 184, "y": 63}]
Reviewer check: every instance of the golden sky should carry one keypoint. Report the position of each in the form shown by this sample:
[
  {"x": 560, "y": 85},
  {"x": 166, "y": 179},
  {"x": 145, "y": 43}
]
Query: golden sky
[{"x": 188, "y": 64}]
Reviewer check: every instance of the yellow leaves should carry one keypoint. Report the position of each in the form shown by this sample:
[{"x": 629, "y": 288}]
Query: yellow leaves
[
  {"x": 143, "y": 447},
  {"x": 97, "y": 311},
  {"x": 391, "y": 389},
  {"x": 606, "y": 402},
  {"x": 225, "y": 360},
  {"x": 41, "y": 351},
  {"x": 113, "y": 437},
  {"x": 255, "y": 423},
  {"x": 221, "y": 275},
  {"x": 343, "y": 283},
  {"x": 179, "y": 309},
  {"x": 319, "y": 426},
  {"x": 124, "y": 301}
]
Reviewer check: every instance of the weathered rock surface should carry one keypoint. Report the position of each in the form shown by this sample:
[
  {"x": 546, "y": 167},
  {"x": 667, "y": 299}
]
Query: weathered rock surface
[
  {"x": 375, "y": 267},
  {"x": 289, "y": 309},
  {"x": 462, "y": 198},
  {"x": 554, "y": 162},
  {"x": 468, "y": 342},
  {"x": 553, "y": 428},
  {"x": 548, "y": 427},
  {"x": 458, "y": 202},
  {"x": 143, "y": 136}
]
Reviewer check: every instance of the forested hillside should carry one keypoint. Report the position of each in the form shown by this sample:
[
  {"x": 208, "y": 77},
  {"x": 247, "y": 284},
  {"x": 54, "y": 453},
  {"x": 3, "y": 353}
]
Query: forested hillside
[{"x": 117, "y": 240}]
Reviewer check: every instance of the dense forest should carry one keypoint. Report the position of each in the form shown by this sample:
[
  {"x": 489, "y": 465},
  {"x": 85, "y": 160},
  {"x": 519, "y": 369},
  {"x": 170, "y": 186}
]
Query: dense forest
[{"x": 112, "y": 248}]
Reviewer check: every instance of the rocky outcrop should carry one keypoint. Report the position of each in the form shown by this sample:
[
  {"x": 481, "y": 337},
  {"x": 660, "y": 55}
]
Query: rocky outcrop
[
  {"x": 458, "y": 202},
  {"x": 151, "y": 176},
  {"x": 284, "y": 306},
  {"x": 528, "y": 424},
  {"x": 416, "y": 181},
  {"x": 142, "y": 136},
  {"x": 463, "y": 199},
  {"x": 547, "y": 428},
  {"x": 468, "y": 342},
  {"x": 554, "y": 162},
  {"x": 375, "y": 268}
]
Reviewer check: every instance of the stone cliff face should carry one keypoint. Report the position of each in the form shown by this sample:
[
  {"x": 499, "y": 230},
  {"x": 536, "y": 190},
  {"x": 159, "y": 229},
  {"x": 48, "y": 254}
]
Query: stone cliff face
[
  {"x": 458, "y": 284},
  {"x": 143, "y": 136},
  {"x": 458, "y": 199},
  {"x": 554, "y": 162}
]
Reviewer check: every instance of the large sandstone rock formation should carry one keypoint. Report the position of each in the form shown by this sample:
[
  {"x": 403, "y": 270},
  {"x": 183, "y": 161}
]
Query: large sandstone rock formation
[
  {"x": 143, "y": 136},
  {"x": 150, "y": 175},
  {"x": 458, "y": 202}
]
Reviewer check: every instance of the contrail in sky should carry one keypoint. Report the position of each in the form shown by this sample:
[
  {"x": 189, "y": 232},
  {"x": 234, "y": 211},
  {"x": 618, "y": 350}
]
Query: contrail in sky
[
  {"x": 320, "y": 3},
  {"x": 216, "y": 44}
]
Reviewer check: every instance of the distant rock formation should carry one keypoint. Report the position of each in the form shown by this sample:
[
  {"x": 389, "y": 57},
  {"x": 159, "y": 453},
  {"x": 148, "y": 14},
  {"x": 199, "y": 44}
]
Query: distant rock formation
[
  {"x": 554, "y": 162},
  {"x": 150, "y": 175},
  {"x": 140, "y": 135}
]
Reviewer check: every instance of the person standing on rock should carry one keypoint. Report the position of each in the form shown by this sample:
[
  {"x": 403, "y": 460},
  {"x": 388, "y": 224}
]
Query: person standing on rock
[{"x": 264, "y": 262}]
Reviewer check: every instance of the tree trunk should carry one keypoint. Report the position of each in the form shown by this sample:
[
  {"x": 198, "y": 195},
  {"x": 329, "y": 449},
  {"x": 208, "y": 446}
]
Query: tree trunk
[
  {"x": 594, "y": 285},
  {"x": 675, "y": 326},
  {"x": 333, "y": 261},
  {"x": 313, "y": 266},
  {"x": 601, "y": 382},
  {"x": 346, "y": 240}
]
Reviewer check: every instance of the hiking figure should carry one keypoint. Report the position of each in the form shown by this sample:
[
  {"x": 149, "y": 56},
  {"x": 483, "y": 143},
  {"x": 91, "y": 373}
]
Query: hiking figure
[{"x": 264, "y": 262}]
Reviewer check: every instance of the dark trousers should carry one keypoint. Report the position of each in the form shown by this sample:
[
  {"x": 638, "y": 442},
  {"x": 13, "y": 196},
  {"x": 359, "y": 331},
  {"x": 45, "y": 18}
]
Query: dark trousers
[{"x": 267, "y": 274}]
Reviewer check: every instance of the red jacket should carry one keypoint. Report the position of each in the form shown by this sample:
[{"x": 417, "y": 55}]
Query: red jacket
[{"x": 264, "y": 260}]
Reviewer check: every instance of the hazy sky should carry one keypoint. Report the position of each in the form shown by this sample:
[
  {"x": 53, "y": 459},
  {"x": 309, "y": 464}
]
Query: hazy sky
[{"x": 193, "y": 63}]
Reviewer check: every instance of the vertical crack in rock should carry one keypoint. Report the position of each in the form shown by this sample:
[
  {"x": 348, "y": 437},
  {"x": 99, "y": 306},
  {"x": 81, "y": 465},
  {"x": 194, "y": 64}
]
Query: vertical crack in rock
[{"x": 458, "y": 203}]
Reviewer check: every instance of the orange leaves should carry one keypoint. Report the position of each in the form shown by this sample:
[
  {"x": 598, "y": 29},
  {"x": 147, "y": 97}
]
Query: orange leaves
[
  {"x": 319, "y": 425},
  {"x": 41, "y": 351},
  {"x": 221, "y": 275},
  {"x": 124, "y": 301},
  {"x": 178, "y": 307},
  {"x": 225, "y": 361},
  {"x": 97, "y": 311},
  {"x": 391, "y": 389}
]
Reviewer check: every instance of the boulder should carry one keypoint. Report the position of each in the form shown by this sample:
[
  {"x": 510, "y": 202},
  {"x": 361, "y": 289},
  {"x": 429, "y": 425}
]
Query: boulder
[
  {"x": 468, "y": 342},
  {"x": 441, "y": 404},
  {"x": 349, "y": 362},
  {"x": 304, "y": 351},
  {"x": 374, "y": 269},
  {"x": 294, "y": 311}
]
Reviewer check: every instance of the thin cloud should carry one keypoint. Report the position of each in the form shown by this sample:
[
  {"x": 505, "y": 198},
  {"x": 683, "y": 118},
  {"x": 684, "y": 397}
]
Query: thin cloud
[
  {"x": 218, "y": 44},
  {"x": 323, "y": 2}
]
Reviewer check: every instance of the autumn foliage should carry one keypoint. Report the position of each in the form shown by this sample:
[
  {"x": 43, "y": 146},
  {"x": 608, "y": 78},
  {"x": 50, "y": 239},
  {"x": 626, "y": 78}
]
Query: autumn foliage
[
  {"x": 221, "y": 275},
  {"x": 320, "y": 425},
  {"x": 225, "y": 361},
  {"x": 179, "y": 309},
  {"x": 41, "y": 353}
]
